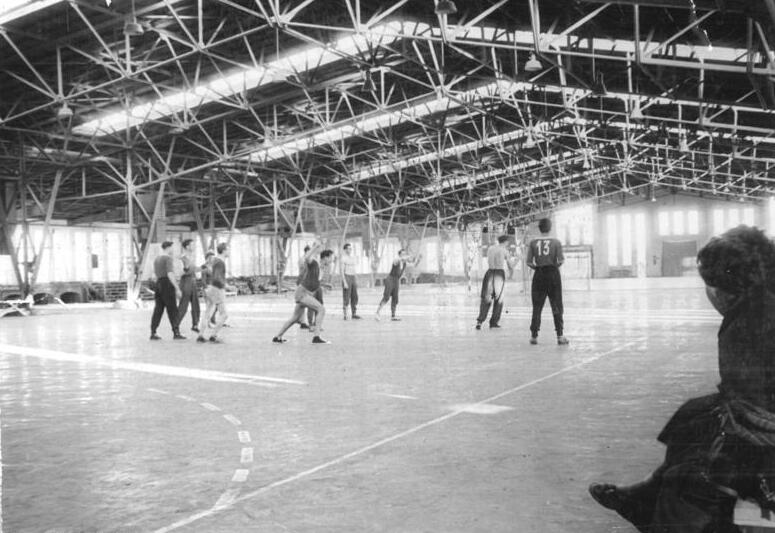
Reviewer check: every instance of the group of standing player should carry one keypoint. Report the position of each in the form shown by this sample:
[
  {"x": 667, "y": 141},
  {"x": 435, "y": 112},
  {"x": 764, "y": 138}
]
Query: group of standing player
[
  {"x": 544, "y": 256},
  {"x": 175, "y": 296}
]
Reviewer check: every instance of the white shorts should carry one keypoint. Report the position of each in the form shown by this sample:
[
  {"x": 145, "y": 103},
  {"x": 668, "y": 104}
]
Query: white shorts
[{"x": 215, "y": 295}]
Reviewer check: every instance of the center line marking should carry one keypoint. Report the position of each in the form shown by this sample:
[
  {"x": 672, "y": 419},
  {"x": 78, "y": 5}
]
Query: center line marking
[
  {"x": 167, "y": 370},
  {"x": 365, "y": 449}
]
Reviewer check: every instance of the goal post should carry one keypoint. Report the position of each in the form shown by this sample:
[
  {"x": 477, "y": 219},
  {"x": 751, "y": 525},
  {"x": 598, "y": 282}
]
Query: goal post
[{"x": 577, "y": 268}]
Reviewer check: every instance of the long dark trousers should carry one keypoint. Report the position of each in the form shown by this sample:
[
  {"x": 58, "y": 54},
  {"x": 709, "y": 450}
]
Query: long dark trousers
[
  {"x": 350, "y": 294},
  {"x": 492, "y": 293},
  {"x": 311, "y": 313},
  {"x": 164, "y": 299},
  {"x": 190, "y": 295},
  {"x": 391, "y": 293},
  {"x": 546, "y": 283}
]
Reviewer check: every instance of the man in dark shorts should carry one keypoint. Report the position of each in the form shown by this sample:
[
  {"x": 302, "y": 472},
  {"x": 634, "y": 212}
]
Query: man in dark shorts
[
  {"x": 166, "y": 292},
  {"x": 392, "y": 282},
  {"x": 215, "y": 296},
  {"x": 188, "y": 286},
  {"x": 305, "y": 295},
  {"x": 494, "y": 283},
  {"x": 544, "y": 255}
]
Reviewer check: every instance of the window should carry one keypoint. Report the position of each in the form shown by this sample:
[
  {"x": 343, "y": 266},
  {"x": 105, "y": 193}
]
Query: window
[
  {"x": 678, "y": 223},
  {"x": 718, "y": 221},
  {"x": 574, "y": 225},
  {"x": 733, "y": 218},
  {"x": 664, "y": 223},
  {"x": 693, "y": 222},
  {"x": 626, "y": 239},
  {"x": 748, "y": 216},
  {"x": 613, "y": 241}
]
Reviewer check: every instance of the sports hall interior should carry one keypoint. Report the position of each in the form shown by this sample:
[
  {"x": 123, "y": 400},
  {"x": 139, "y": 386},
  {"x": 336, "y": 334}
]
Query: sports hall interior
[{"x": 640, "y": 128}]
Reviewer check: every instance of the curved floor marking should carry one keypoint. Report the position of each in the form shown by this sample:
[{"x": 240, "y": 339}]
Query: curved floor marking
[{"x": 360, "y": 451}]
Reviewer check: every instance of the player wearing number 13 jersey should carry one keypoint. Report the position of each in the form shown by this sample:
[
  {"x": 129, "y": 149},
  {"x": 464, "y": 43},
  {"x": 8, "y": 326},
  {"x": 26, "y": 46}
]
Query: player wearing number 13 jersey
[{"x": 544, "y": 255}]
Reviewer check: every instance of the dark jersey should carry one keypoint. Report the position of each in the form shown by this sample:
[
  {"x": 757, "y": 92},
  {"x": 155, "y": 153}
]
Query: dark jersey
[
  {"x": 545, "y": 252},
  {"x": 162, "y": 266},
  {"x": 188, "y": 266},
  {"x": 311, "y": 280},
  {"x": 218, "y": 273},
  {"x": 398, "y": 270}
]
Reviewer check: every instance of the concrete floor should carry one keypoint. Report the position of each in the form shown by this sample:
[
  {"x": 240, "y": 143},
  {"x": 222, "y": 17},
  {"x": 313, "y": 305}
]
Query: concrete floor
[{"x": 424, "y": 425}]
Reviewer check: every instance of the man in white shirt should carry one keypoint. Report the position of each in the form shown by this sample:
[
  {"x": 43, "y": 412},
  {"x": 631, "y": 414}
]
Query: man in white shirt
[
  {"x": 494, "y": 283},
  {"x": 349, "y": 281}
]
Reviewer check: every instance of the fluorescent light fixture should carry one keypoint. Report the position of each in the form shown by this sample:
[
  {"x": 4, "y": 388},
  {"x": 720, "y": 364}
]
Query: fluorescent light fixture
[
  {"x": 224, "y": 86},
  {"x": 375, "y": 121},
  {"x": 14, "y": 9}
]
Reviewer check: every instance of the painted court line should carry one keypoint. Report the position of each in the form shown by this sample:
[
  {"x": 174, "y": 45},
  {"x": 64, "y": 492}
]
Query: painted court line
[
  {"x": 240, "y": 475},
  {"x": 233, "y": 419},
  {"x": 399, "y": 396},
  {"x": 246, "y": 456},
  {"x": 166, "y": 370},
  {"x": 209, "y": 406},
  {"x": 365, "y": 449},
  {"x": 243, "y": 436}
]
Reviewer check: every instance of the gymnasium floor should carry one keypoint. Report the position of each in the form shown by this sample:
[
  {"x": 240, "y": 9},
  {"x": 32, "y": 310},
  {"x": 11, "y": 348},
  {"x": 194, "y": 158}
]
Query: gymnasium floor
[{"x": 424, "y": 425}]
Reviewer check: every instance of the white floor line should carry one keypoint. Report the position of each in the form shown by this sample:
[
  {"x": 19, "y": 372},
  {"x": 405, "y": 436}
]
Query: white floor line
[
  {"x": 360, "y": 451},
  {"x": 178, "y": 371}
]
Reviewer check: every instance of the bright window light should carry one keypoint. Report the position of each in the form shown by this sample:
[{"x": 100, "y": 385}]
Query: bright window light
[
  {"x": 718, "y": 221},
  {"x": 626, "y": 239},
  {"x": 693, "y": 222},
  {"x": 14, "y": 9},
  {"x": 771, "y": 216},
  {"x": 664, "y": 223},
  {"x": 640, "y": 244},
  {"x": 613, "y": 241},
  {"x": 733, "y": 218},
  {"x": 748, "y": 216},
  {"x": 220, "y": 87},
  {"x": 678, "y": 223}
]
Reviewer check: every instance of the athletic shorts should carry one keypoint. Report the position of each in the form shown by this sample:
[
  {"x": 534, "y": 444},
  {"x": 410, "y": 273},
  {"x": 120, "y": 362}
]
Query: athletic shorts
[
  {"x": 215, "y": 295},
  {"x": 300, "y": 293}
]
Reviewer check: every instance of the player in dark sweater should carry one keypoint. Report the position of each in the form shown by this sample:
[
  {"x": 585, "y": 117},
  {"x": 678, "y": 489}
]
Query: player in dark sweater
[
  {"x": 166, "y": 292},
  {"x": 305, "y": 295},
  {"x": 392, "y": 282},
  {"x": 188, "y": 288},
  {"x": 544, "y": 255}
]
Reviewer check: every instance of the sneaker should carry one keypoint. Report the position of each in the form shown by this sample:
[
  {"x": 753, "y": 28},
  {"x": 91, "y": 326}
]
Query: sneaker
[
  {"x": 201, "y": 339},
  {"x": 318, "y": 340},
  {"x": 345, "y": 314},
  {"x": 155, "y": 337},
  {"x": 494, "y": 326},
  {"x": 302, "y": 325},
  {"x": 478, "y": 325},
  {"x": 562, "y": 340},
  {"x": 395, "y": 319},
  {"x": 377, "y": 317},
  {"x": 356, "y": 317},
  {"x": 215, "y": 340},
  {"x": 533, "y": 340},
  {"x": 194, "y": 328},
  {"x": 279, "y": 340},
  {"x": 178, "y": 337}
]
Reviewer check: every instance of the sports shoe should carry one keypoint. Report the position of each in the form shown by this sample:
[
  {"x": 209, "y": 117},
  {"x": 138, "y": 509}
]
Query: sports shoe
[
  {"x": 302, "y": 325},
  {"x": 345, "y": 314},
  {"x": 377, "y": 317},
  {"x": 201, "y": 339},
  {"x": 494, "y": 326},
  {"x": 155, "y": 337},
  {"x": 478, "y": 325},
  {"x": 215, "y": 340},
  {"x": 279, "y": 340},
  {"x": 178, "y": 337},
  {"x": 318, "y": 340},
  {"x": 533, "y": 340},
  {"x": 356, "y": 317},
  {"x": 194, "y": 328},
  {"x": 395, "y": 319},
  {"x": 562, "y": 340}
]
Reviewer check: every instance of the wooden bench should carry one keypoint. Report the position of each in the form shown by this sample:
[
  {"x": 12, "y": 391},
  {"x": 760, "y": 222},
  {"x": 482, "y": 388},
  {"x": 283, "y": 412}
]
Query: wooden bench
[{"x": 20, "y": 307}]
